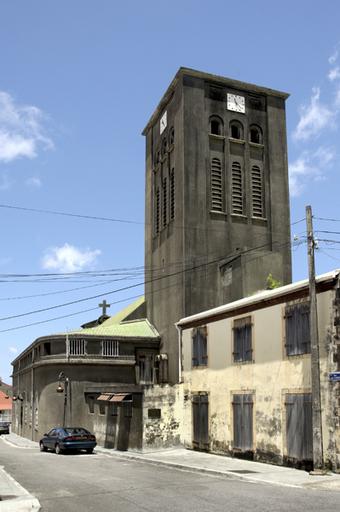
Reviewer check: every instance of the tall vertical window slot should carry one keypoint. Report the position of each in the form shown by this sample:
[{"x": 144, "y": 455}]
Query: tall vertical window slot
[
  {"x": 157, "y": 211},
  {"x": 216, "y": 185},
  {"x": 165, "y": 201},
  {"x": 257, "y": 192},
  {"x": 172, "y": 194},
  {"x": 237, "y": 189}
]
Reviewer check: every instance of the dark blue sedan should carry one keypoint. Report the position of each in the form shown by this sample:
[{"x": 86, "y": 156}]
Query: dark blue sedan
[{"x": 68, "y": 438}]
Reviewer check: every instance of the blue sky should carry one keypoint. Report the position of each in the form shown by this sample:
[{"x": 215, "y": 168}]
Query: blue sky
[{"x": 79, "y": 80}]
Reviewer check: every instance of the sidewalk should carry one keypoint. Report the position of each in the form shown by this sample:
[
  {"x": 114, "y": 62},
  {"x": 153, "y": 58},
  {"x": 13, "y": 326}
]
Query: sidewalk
[{"x": 189, "y": 460}]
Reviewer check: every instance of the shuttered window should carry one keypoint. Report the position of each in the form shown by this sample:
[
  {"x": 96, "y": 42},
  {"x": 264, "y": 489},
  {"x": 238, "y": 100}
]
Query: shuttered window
[
  {"x": 199, "y": 346},
  {"x": 200, "y": 416},
  {"x": 243, "y": 422},
  {"x": 216, "y": 185},
  {"x": 243, "y": 350},
  {"x": 172, "y": 194},
  {"x": 236, "y": 188},
  {"x": 165, "y": 201},
  {"x": 257, "y": 192},
  {"x": 157, "y": 211},
  {"x": 299, "y": 430},
  {"x": 297, "y": 329}
]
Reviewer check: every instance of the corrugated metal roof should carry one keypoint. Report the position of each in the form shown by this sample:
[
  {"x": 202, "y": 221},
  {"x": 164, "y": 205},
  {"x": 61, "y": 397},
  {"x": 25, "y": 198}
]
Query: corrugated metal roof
[
  {"x": 123, "y": 313},
  {"x": 257, "y": 298},
  {"x": 134, "y": 329}
]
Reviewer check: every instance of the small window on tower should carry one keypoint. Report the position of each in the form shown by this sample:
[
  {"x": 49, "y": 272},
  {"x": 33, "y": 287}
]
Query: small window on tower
[
  {"x": 216, "y": 126},
  {"x": 255, "y": 134},
  {"x": 164, "y": 147},
  {"x": 236, "y": 130},
  {"x": 171, "y": 137}
]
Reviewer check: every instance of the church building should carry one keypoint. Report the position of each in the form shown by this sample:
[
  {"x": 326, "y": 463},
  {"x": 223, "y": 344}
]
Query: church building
[{"x": 217, "y": 201}]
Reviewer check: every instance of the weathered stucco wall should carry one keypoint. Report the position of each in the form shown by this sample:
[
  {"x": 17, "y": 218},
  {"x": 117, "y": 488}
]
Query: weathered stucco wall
[
  {"x": 162, "y": 428},
  {"x": 269, "y": 377}
]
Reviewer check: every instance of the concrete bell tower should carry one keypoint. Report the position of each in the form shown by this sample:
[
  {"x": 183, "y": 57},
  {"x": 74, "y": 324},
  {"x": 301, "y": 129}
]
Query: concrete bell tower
[{"x": 217, "y": 201}]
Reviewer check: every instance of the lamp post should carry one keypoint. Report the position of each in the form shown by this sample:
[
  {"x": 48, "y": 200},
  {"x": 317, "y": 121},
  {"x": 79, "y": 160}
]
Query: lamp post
[{"x": 60, "y": 389}]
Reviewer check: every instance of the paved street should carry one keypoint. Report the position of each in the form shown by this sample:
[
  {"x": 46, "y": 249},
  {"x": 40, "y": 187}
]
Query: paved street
[{"x": 102, "y": 483}]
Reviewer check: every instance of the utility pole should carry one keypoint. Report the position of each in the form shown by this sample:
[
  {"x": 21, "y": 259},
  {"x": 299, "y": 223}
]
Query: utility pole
[{"x": 315, "y": 360}]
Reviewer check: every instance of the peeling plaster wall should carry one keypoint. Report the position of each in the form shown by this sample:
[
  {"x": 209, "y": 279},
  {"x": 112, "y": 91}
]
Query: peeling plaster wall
[
  {"x": 166, "y": 430},
  {"x": 269, "y": 377}
]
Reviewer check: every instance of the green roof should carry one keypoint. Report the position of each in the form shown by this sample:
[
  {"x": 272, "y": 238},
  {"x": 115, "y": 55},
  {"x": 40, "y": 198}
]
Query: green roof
[
  {"x": 132, "y": 329},
  {"x": 123, "y": 313}
]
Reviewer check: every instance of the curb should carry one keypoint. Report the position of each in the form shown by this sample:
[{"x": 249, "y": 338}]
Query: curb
[{"x": 22, "y": 500}]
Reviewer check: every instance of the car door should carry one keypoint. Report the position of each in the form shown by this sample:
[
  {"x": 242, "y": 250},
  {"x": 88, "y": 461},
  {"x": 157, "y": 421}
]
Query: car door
[{"x": 51, "y": 438}]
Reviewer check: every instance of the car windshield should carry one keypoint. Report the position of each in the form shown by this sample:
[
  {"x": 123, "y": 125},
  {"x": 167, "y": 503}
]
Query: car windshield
[{"x": 75, "y": 431}]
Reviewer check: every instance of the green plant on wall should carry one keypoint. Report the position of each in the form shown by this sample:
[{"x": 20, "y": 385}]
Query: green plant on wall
[{"x": 272, "y": 283}]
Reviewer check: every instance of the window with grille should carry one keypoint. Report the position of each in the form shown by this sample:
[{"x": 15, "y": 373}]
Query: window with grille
[
  {"x": 165, "y": 201},
  {"x": 216, "y": 185},
  {"x": 297, "y": 329},
  {"x": 237, "y": 188},
  {"x": 77, "y": 347},
  {"x": 172, "y": 194},
  {"x": 243, "y": 350},
  {"x": 110, "y": 348},
  {"x": 257, "y": 192},
  {"x": 157, "y": 211},
  {"x": 199, "y": 346}
]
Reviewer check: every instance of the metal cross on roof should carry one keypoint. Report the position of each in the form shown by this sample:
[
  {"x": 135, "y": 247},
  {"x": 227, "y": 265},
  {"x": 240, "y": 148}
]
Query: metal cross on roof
[{"x": 104, "y": 305}]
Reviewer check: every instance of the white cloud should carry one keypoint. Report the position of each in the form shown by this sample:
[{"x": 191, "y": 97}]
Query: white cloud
[
  {"x": 34, "y": 182},
  {"x": 313, "y": 118},
  {"x": 69, "y": 258},
  {"x": 21, "y": 130},
  {"x": 13, "y": 350},
  {"x": 310, "y": 166},
  {"x": 333, "y": 58},
  {"x": 334, "y": 74}
]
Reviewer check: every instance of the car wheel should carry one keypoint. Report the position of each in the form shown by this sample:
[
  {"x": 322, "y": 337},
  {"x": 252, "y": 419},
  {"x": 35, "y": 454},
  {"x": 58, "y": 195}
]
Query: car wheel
[
  {"x": 89, "y": 450},
  {"x": 58, "y": 450},
  {"x": 42, "y": 447}
]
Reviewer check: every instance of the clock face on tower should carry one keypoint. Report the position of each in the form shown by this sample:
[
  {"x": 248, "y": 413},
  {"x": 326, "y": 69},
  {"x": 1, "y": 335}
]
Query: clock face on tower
[
  {"x": 163, "y": 123},
  {"x": 236, "y": 103}
]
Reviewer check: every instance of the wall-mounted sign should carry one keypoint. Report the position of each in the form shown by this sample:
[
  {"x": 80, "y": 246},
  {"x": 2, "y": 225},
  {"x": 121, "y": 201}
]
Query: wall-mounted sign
[{"x": 334, "y": 376}]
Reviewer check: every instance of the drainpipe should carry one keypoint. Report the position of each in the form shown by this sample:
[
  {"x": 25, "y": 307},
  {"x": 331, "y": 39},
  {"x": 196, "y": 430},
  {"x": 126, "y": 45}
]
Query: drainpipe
[{"x": 179, "y": 330}]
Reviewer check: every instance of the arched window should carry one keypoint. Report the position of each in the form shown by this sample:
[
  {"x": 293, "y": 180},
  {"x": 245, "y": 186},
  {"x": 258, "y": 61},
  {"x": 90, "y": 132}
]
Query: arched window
[
  {"x": 171, "y": 137},
  {"x": 236, "y": 130},
  {"x": 255, "y": 134},
  {"x": 216, "y": 125},
  {"x": 164, "y": 147}
]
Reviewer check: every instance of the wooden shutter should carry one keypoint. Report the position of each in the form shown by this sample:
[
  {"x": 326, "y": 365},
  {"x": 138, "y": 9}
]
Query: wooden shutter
[
  {"x": 243, "y": 422},
  {"x": 299, "y": 432},
  {"x": 172, "y": 194},
  {"x": 165, "y": 201},
  {"x": 236, "y": 188}
]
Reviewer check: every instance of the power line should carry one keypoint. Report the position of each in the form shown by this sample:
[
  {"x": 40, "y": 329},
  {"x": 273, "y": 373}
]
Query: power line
[
  {"x": 326, "y": 219},
  {"x": 77, "y": 301}
]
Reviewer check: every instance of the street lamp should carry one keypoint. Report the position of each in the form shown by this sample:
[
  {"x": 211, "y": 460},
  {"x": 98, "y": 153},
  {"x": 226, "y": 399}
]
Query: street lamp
[{"x": 63, "y": 389}]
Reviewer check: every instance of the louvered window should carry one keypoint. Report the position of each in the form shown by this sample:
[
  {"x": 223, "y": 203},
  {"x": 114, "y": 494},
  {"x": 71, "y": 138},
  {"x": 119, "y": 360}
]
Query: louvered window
[
  {"x": 199, "y": 347},
  {"x": 165, "y": 201},
  {"x": 257, "y": 195},
  {"x": 157, "y": 211},
  {"x": 297, "y": 329},
  {"x": 236, "y": 188},
  {"x": 172, "y": 194},
  {"x": 216, "y": 185},
  {"x": 243, "y": 350}
]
